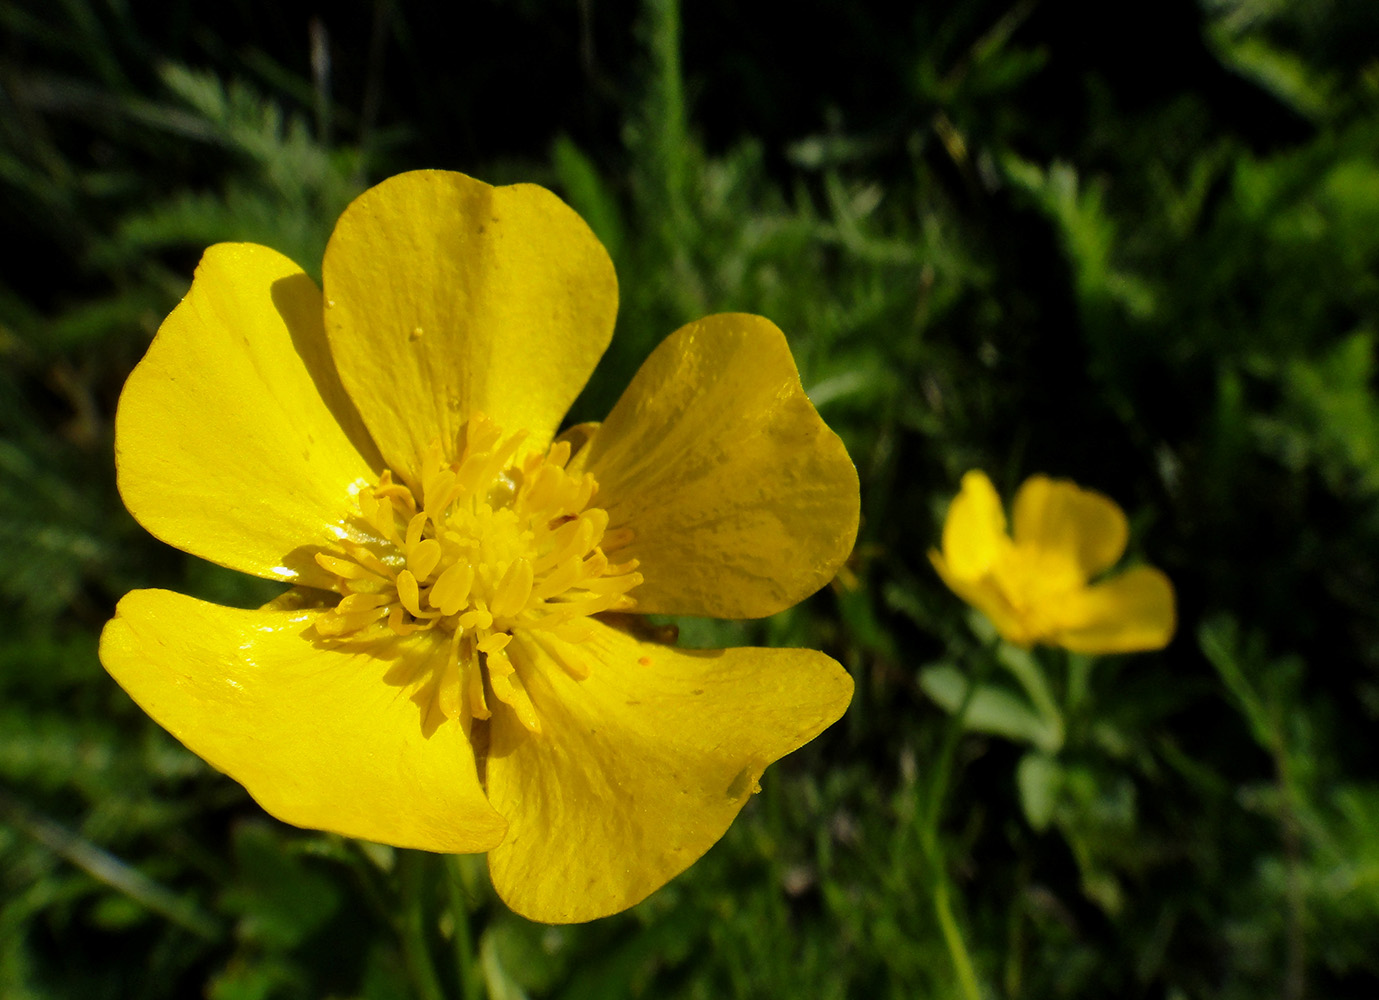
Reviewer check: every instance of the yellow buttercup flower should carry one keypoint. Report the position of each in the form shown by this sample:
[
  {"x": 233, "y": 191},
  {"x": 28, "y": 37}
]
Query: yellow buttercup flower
[
  {"x": 1037, "y": 585},
  {"x": 454, "y": 669}
]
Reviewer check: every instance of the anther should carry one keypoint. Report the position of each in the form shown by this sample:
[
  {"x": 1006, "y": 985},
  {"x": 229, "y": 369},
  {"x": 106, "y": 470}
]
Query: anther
[{"x": 490, "y": 548}]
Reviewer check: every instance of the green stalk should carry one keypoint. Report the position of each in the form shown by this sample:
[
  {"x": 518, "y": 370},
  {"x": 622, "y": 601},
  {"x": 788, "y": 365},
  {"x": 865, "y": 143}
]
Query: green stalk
[
  {"x": 413, "y": 867},
  {"x": 664, "y": 116},
  {"x": 952, "y": 735},
  {"x": 952, "y": 937},
  {"x": 929, "y": 838},
  {"x": 471, "y": 978}
]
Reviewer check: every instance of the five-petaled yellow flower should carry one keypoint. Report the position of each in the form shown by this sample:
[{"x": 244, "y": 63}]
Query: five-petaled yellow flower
[
  {"x": 454, "y": 670},
  {"x": 1036, "y": 586}
]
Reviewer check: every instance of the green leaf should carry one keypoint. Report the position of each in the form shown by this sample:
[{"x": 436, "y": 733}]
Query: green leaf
[
  {"x": 501, "y": 983},
  {"x": 1284, "y": 74},
  {"x": 533, "y": 957},
  {"x": 260, "y": 979},
  {"x": 280, "y": 900},
  {"x": 1039, "y": 778},
  {"x": 990, "y": 710},
  {"x": 1029, "y": 673},
  {"x": 588, "y": 195}
]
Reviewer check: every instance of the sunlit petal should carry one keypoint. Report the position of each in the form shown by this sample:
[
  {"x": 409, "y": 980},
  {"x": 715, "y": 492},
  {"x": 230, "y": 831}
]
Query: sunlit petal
[
  {"x": 641, "y": 767},
  {"x": 323, "y": 737},
  {"x": 740, "y": 501},
  {"x": 233, "y": 438},
  {"x": 1128, "y": 613},
  {"x": 446, "y": 297},
  {"x": 1060, "y": 518},
  {"x": 984, "y": 594},
  {"x": 974, "y": 533}
]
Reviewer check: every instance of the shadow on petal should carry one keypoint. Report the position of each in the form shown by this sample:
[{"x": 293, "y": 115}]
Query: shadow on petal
[{"x": 299, "y": 303}]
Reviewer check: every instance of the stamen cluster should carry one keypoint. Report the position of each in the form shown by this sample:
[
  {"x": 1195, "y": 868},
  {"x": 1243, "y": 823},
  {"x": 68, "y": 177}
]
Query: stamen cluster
[{"x": 488, "y": 547}]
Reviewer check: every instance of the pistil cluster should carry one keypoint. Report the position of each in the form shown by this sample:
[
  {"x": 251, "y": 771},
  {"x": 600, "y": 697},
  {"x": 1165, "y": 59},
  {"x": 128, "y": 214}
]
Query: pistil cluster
[{"x": 489, "y": 547}]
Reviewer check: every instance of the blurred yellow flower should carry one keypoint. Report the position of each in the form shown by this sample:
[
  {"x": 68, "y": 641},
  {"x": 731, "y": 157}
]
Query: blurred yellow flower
[
  {"x": 453, "y": 670},
  {"x": 1037, "y": 585}
]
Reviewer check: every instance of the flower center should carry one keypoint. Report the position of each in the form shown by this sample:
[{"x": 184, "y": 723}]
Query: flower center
[{"x": 489, "y": 548}]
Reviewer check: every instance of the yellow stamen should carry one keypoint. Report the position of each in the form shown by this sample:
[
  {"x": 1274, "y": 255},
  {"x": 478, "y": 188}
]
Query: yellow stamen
[
  {"x": 451, "y": 592},
  {"x": 448, "y": 690},
  {"x": 423, "y": 557},
  {"x": 514, "y": 590},
  {"x": 494, "y": 642},
  {"x": 488, "y": 547},
  {"x": 361, "y": 602},
  {"x": 342, "y": 567},
  {"x": 508, "y": 688}
]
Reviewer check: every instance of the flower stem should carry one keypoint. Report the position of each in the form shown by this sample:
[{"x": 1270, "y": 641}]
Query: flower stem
[
  {"x": 943, "y": 768},
  {"x": 929, "y": 832},
  {"x": 413, "y": 867},
  {"x": 471, "y": 980},
  {"x": 952, "y": 937},
  {"x": 952, "y": 736}
]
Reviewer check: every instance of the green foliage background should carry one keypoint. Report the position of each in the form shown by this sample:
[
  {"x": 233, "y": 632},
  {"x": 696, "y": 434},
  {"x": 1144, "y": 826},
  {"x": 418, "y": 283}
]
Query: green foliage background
[{"x": 1136, "y": 245}]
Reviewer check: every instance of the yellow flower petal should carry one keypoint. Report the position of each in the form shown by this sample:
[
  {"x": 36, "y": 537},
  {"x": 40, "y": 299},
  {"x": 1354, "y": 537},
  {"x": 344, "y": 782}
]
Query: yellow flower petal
[
  {"x": 317, "y": 734},
  {"x": 1064, "y": 521},
  {"x": 642, "y": 766},
  {"x": 986, "y": 595},
  {"x": 228, "y": 438},
  {"x": 740, "y": 500},
  {"x": 1128, "y": 613},
  {"x": 446, "y": 297},
  {"x": 974, "y": 532}
]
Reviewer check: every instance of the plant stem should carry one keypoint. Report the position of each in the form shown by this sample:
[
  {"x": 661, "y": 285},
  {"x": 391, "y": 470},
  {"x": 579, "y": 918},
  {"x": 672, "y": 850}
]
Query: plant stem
[
  {"x": 930, "y": 819},
  {"x": 1079, "y": 673},
  {"x": 952, "y": 937},
  {"x": 1292, "y": 805},
  {"x": 471, "y": 981},
  {"x": 952, "y": 735},
  {"x": 665, "y": 114},
  {"x": 412, "y": 871}
]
